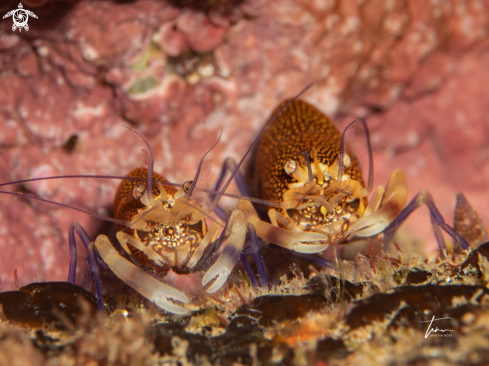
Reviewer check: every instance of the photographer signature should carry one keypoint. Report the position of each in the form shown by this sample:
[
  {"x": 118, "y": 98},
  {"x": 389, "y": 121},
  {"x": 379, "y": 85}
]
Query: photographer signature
[{"x": 435, "y": 329}]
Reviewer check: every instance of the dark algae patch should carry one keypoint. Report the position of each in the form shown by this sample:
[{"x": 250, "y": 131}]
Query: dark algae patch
[{"x": 372, "y": 307}]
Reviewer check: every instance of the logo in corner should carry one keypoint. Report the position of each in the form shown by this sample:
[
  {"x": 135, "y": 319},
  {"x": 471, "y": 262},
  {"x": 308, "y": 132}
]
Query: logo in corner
[{"x": 20, "y": 17}]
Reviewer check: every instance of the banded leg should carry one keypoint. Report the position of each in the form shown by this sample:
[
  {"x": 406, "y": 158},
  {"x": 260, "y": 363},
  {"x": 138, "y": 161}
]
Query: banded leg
[
  {"x": 249, "y": 272},
  {"x": 92, "y": 259},
  {"x": 313, "y": 258},
  {"x": 424, "y": 198},
  {"x": 255, "y": 250},
  {"x": 229, "y": 165}
]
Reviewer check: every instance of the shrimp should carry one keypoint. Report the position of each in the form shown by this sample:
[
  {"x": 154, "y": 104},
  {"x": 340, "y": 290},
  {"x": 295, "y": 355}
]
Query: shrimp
[
  {"x": 166, "y": 229},
  {"x": 302, "y": 164}
]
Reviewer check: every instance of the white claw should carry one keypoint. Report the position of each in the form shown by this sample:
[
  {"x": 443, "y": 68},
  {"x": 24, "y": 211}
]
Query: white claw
[
  {"x": 155, "y": 213},
  {"x": 166, "y": 304},
  {"x": 370, "y": 230},
  {"x": 393, "y": 201},
  {"x": 124, "y": 239},
  {"x": 208, "y": 238},
  {"x": 292, "y": 240},
  {"x": 309, "y": 248},
  {"x": 230, "y": 253},
  {"x": 152, "y": 289},
  {"x": 221, "y": 274}
]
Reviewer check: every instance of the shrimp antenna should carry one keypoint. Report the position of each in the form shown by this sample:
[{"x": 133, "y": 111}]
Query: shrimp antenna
[
  {"x": 221, "y": 192},
  {"x": 134, "y": 179},
  {"x": 122, "y": 222},
  {"x": 370, "y": 183},
  {"x": 240, "y": 197},
  {"x": 72, "y": 176},
  {"x": 203, "y": 212},
  {"x": 199, "y": 169},
  {"x": 343, "y": 151},
  {"x": 150, "y": 167},
  {"x": 309, "y": 177},
  {"x": 97, "y": 216}
]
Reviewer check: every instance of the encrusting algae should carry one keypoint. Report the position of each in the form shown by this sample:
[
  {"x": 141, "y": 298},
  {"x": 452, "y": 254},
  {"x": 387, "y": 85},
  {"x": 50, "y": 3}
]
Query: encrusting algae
[{"x": 365, "y": 315}]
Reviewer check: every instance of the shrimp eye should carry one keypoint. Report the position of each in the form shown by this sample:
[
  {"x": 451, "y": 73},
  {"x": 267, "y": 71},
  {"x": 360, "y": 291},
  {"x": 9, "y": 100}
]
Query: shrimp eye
[
  {"x": 138, "y": 191},
  {"x": 290, "y": 167},
  {"x": 186, "y": 186}
]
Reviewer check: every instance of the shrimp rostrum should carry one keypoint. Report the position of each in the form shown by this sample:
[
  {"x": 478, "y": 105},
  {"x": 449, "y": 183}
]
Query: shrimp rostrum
[
  {"x": 159, "y": 228},
  {"x": 302, "y": 163}
]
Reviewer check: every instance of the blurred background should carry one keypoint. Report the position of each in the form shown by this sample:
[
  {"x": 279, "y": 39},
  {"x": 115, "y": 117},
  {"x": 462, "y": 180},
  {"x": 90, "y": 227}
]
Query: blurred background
[{"x": 181, "y": 71}]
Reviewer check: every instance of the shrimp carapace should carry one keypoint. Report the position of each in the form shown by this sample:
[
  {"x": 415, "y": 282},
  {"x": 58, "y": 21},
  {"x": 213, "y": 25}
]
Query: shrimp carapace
[{"x": 282, "y": 172}]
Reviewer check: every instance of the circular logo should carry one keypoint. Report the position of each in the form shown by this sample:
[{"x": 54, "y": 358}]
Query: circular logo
[{"x": 20, "y": 18}]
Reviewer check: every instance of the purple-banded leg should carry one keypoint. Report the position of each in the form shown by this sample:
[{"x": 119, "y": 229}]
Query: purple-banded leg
[
  {"x": 314, "y": 258},
  {"x": 230, "y": 165},
  {"x": 92, "y": 259},
  {"x": 255, "y": 250},
  {"x": 94, "y": 268},
  {"x": 242, "y": 258},
  {"x": 219, "y": 211},
  {"x": 248, "y": 270},
  {"x": 424, "y": 198}
]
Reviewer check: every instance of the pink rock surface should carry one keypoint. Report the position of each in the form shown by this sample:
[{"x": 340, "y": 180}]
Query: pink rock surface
[
  {"x": 201, "y": 34},
  {"x": 416, "y": 71}
]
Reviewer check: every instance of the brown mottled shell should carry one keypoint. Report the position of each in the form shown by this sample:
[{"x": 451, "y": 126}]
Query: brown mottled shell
[
  {"x": 125, "y": 205},
  {"x": 299, "y": 127}
]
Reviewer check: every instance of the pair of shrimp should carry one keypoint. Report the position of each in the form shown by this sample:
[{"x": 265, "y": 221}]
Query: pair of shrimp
[
  {"x": 160, "y": 228},
  {"x": 303, "y": 173}
]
